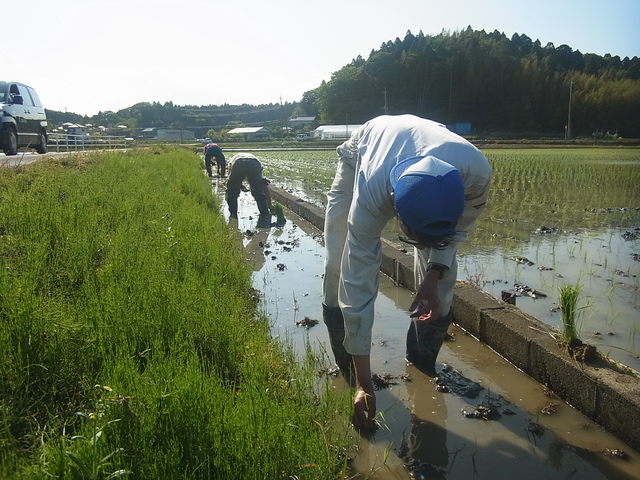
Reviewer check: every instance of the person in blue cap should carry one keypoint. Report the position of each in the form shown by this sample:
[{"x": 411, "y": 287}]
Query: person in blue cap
[{"x": 436, "y": 183}]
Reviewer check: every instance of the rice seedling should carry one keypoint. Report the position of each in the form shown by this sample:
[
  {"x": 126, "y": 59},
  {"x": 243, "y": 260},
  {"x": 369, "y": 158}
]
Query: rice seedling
[
  {"x": 278, "y": 211},
  {"x": 569, "y": 295}
]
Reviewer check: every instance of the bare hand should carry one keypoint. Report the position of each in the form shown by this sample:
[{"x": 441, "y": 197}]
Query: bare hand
[
  {"x": 426, "y": 303},
  {"x": 364, "y": 410}
]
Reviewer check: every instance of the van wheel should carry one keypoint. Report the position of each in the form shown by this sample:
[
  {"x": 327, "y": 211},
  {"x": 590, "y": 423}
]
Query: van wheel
[
  {"x": 42, "y": 143},
  {"x": 10, "y": 147}
]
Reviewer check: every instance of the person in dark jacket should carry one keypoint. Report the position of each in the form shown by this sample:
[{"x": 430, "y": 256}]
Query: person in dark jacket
[{"x": 211, "y": 151}]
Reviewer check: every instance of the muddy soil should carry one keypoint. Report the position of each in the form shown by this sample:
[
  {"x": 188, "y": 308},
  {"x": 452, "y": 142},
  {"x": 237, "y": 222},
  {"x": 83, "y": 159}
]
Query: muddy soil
[{"x": 479, "y": 418}]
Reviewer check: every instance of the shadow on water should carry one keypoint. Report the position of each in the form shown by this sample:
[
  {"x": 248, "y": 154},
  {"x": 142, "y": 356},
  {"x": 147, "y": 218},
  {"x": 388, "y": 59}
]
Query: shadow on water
[{"x": 511, "y": 428}]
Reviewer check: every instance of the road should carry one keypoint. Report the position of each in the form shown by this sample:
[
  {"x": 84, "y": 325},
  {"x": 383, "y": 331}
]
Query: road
[{"x": 22, "y": 158}]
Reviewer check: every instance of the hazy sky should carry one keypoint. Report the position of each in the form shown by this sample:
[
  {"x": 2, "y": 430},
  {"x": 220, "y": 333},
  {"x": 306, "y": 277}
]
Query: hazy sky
[{"x": 87, "y": 56}]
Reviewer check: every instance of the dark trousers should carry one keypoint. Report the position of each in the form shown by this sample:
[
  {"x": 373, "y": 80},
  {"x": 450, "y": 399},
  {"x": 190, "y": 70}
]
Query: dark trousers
[
  {"x": 251, "y": 170},
  {"x": 208, "y": 164}
]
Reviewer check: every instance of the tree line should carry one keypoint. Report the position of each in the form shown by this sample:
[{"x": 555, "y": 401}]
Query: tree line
[
  {"x": 502, "y": 86},
  {"x": 499, "y": 84}
]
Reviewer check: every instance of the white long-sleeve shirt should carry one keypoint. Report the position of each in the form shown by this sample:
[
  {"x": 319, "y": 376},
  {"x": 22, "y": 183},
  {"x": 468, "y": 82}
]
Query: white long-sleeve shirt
[{"x": 377, "y": 147}]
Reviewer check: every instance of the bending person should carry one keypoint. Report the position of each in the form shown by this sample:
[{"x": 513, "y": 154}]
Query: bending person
[
  {"x": 211, "y": 151},
  {"x": 437, "y": 184},
  {"x": 244, "y": 166}
]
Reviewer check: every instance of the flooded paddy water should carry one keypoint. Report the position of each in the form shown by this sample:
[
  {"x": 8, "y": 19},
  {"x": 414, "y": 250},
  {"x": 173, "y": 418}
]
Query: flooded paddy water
[
  {"x": 554, "y": 217},
  {"x": 500, "y": 424}
]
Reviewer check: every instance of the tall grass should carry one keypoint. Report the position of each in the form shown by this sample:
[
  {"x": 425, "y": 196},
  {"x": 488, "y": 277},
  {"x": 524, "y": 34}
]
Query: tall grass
[{"x": 124, "y": 296}]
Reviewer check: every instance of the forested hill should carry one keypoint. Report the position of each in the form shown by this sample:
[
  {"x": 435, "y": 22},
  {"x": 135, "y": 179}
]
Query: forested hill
[
  {"x": 504, "y": 86},
  {"x": 497, "y": 83}
]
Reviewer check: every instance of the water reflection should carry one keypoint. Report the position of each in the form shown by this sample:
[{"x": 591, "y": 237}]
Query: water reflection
[
  {"x": 257, "y": 245},
  {"x": 427, "y": 442}
]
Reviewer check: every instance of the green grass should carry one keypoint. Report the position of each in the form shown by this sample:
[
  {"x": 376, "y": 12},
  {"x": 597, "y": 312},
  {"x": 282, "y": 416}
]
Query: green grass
[{"x": 129, "y": 338}]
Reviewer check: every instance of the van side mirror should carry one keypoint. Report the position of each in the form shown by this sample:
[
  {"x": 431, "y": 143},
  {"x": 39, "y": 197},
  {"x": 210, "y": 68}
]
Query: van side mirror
[{"x": 18, "y": 100}]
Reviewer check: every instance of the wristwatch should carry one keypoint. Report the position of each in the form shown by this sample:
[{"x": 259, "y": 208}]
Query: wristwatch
[{"x": 441, "y": 269}]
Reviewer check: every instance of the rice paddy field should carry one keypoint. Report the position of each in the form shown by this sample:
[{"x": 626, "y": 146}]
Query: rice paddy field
[{"x": 556, "y": 217}]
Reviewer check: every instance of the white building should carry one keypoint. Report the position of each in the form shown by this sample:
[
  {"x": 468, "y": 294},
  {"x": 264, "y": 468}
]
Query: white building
[
  {"x": 335, "y": 132},
  {"x": 174, "y": 135},
  {"x": 77, "y": 134},
  {"x": 250, "y": 133}
]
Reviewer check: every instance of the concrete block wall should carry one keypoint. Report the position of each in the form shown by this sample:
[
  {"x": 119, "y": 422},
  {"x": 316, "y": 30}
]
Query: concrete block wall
[{"x": 598, "y": 390}]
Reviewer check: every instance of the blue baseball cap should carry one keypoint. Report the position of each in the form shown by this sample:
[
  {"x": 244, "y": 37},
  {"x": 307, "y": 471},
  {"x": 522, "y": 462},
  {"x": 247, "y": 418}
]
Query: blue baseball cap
[{"x": 428, "y": 194}]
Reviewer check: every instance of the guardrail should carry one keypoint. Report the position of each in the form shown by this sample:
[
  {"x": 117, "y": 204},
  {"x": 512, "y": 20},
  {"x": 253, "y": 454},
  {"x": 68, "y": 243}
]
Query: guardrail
[{"x": 62, "y": 142}]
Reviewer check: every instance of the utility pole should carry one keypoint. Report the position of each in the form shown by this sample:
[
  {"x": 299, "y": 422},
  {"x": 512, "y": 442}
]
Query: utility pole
[
  {"x": 386, "y": 110},
  {"x": 567, "y": 135}
]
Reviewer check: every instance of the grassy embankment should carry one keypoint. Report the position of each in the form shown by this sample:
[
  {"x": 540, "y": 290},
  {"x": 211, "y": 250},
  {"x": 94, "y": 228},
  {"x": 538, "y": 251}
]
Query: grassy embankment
[{"x": 128, "y": 326}]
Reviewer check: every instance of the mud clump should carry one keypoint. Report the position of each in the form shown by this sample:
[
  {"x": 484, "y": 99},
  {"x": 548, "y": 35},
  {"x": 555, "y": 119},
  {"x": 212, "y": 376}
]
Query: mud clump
[
  {"x": 420, "y": 469},
  {"x": 527, "y": 291},
  {"x": 482, "y": 412},
  {"x": 615, "y": 453},
  {"x": 386, "y": 380},
  {"x": 307, "y": 322},
  {"x": 453, "y": 381},
  {"x": 581, "y": 352}
]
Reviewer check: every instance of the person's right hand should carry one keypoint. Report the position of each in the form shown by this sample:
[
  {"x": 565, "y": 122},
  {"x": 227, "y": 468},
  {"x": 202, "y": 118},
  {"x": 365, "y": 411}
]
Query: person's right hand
[
  {"x": 364, "y": 409},
  {"x": 426, "y": 302}
]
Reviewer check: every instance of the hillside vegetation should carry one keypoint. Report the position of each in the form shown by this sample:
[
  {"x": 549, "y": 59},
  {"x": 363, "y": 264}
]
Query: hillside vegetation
[{"x": 502, "y": 85}]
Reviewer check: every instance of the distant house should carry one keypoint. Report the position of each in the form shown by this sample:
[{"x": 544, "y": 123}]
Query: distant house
[
  {"x": 248, "y": 134},
  {"x": 78, "y": 134},
  {"x": 335, "y": 132},
  {"x": 174, "y": 135},
  {"x": 73, "y": 129},
  {"x": 300, "y": 122},
  {"x": 148, "y": 132}
]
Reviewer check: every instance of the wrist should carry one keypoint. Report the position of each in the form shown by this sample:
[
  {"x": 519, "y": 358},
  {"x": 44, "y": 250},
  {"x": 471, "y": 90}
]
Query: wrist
[{"x": 437, "y": 267}]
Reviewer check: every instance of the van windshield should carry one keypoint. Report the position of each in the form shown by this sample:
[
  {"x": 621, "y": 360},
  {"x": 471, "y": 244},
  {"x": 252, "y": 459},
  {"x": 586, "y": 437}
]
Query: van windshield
[{"x": 3, "y": 88}]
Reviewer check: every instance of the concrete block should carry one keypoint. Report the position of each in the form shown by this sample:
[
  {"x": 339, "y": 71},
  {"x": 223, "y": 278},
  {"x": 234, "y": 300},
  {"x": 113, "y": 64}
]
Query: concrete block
[
  {"x": 570, "y": 380},
  {"x": 509, "y": 332},
  {"x": 311, "y": 213},
  {"x": 398, "y": 265},
  {"x": 618, "y": 406},
  {"x": 468, "y": 305}
]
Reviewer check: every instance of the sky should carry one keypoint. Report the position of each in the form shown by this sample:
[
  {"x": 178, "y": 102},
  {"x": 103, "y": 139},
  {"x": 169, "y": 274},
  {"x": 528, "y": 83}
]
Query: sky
[{"x": 87, "y": 56}]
